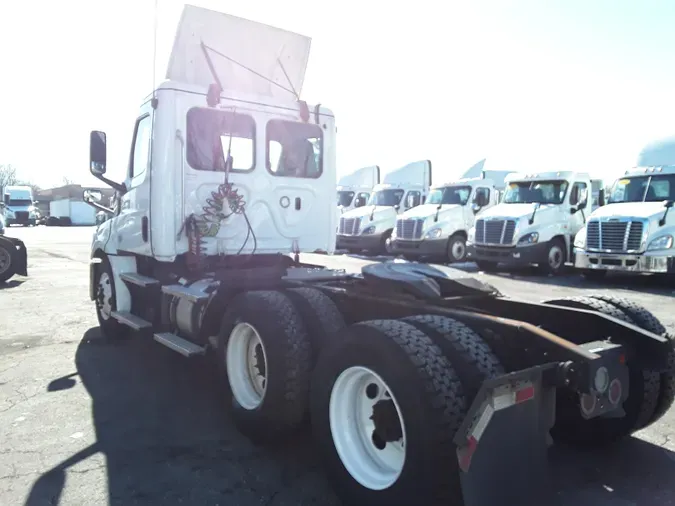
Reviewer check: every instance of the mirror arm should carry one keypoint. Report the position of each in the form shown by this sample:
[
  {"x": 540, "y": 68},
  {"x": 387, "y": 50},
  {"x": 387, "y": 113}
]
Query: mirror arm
[
  {"x": 99, "y": 206},
  {"x": 120, "y": 187}
]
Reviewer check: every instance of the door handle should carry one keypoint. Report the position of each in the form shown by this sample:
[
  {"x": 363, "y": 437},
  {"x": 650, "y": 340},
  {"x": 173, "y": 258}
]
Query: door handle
[{"x": 298, "y": 203}]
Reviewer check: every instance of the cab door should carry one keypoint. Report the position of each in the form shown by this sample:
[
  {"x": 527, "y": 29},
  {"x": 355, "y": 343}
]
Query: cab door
[{"x": 133, "y": 221}]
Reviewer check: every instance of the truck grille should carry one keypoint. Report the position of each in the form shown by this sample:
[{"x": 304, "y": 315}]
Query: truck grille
[
  {"x": 495, "y": 231},
  {"x": 409, "y": 229},
  {"x": 614, "y": 235},
  {"x": 349, "y": 226}
]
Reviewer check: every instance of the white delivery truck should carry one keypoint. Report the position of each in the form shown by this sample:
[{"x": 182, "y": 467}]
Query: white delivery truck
[
  {"x": 353, "y": 190},
  {"x": 535, "y": 223},
  {"x": 370, "y": 227},
  {"x": 410, "y": 399},
  {"x": 635, "y": 231},
  {"x": 72, "y": 212},
  {"x": 19, "y": 206},
  {"x": 439, "y": 227}
]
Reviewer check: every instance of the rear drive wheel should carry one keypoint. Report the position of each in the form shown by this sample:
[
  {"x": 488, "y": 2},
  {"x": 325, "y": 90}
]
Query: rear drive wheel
[
  {"x": 555, "y": 259},
  {"x": 106, "y": 302},
  {"x": 643, "y": 387},
  {"x": 8, "y": 260},
  {"x": 646, "y": 320},
  {"x": 265, "y": 350},
  {"x": 385, "y": 405},
  {"x": 457, "y": 248}
]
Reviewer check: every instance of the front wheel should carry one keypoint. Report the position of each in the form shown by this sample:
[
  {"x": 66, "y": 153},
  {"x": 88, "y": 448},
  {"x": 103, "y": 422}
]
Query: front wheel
[
  {"x": 384, "y": 403},
  {"x": 105, "y": 300},
  {"x": 457, "y": 249},
  {"x": 555, "y": 258}
]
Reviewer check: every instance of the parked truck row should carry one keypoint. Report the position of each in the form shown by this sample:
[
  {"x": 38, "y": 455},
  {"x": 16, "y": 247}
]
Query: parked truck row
[{"x": 422, "y": 384}]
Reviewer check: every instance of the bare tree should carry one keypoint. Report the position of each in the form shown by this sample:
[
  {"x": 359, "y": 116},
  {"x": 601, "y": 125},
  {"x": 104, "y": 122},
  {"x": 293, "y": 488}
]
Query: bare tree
[
  {"x": 7, "y": 176},
  {"x": 67, "y": 181}
]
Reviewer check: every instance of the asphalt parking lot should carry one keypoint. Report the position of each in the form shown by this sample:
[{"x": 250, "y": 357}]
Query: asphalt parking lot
[{"x": 89, "y": 422}]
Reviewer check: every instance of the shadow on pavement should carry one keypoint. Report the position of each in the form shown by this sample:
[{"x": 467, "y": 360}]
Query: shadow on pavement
[
  {"x": 12, "y": 283},
  {"x": 161, "y": 423}
]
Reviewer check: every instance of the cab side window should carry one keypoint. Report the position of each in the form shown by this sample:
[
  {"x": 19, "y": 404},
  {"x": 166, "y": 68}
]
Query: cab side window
[
  {"x": 578, "y": 194},
  {"x": 413, "y": 199},
  {"x": 482, "y": 196},
  {"x": 140, "y": 155}
]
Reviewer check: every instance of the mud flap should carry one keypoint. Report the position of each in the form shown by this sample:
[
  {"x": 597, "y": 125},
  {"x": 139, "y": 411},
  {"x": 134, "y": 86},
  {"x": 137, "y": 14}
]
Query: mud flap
[{"x": 502, "y": 444}]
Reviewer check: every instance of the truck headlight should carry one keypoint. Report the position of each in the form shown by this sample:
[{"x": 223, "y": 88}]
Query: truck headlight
[
  {"x": 663, "y": 242},
  {"x": 580, "y": 239},
  {"x": 368, "y": 230},
  {"x": 434, "y": 233},
  {"x": 531, "y": 238}
]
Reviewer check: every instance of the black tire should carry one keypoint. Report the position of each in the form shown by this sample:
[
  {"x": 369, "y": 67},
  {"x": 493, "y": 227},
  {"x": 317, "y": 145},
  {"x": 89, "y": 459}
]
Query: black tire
[
  {"x": 321, "y": 316},
  {"x": 52, "y": 221},
  {"x": 110, "y": 328},
  {"x": 469, "y": 354},
  {"x": 571, "y": 427},
  {"x": 65, "y": 221},
  {"x": 486, "y": 266},
  {"x": 8, "y": 260},
  {"x": 646, "y": 320},
  {"x": 456, "y": 248},
  {"x": 593, "y": 275},
  {"x": 287, "y": 351},
  {"x": 428, "y": 392},
  {"x": 556, "y": 256}
]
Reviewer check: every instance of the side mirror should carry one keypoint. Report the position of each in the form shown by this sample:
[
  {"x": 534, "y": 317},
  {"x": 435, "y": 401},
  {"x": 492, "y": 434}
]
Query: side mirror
[
  {"x": 668, "y": 204},
  {"x": 397, "y": 207},
  {"x": 92, "y": 195},
  {"x": 601, "y": 197},
  {"x": 359, "y": 202},
  {"x": 97, "y": 153},
  {"x": 475, "y": 207}
]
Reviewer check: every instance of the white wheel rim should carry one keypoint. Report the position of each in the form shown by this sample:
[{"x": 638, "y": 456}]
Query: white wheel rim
[
  {"x": 350, "y": 410},
  {"x": 555, "y": 257},
  {"x": 458, "y": 250},
  {"x": 246, "y": 362},
  {"x": 387, "y": 245},
  {"x": 104, "y": 295},
  {"x": 5, "y": 260}
]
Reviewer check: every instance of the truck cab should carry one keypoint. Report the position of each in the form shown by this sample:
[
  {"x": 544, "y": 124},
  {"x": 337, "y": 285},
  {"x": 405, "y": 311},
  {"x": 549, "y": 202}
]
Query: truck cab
[
  {"x": 370, "y": 227},
  {"x": 439, "y": 227},
  {"x": 353, "y": 190},
  {"x": 535, "y": 223},
  {"x": 635, "y": 231},
  {"x": 19, "y": 206}
]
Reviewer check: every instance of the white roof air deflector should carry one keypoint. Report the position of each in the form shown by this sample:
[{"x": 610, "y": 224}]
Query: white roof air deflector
[{"x": 251, "y": 45}]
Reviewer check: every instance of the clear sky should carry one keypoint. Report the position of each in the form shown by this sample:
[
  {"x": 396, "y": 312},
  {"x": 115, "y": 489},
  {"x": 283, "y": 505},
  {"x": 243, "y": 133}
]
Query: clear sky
[{"x": 529, "y": 84}]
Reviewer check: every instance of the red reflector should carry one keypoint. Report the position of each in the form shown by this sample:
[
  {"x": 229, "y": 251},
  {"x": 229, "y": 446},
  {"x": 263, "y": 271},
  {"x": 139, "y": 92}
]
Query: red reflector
[
  {"x": 622, "y": 359},
  {"x": 525, "y": 394},
  {"x": 466, "y": 454}
]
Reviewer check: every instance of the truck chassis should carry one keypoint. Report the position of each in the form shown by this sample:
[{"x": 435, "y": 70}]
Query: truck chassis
[{"x": 422, "y": 384}]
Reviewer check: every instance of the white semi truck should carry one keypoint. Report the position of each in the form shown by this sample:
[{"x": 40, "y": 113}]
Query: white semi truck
[
  {"x": 422, "y": 384},
  {"x": 535, "y": 223},
  {"x": 370, "y": 227},
  {"x": 354, "y": 189},
  {"x": 635, "y": 231},
  {"x": 439, "y": 227},
  {"x": 19, "y": 206}
]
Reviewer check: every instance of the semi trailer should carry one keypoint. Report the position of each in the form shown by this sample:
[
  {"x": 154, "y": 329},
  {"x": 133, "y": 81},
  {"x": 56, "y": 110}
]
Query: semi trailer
[{"x": 422, "y": 384}]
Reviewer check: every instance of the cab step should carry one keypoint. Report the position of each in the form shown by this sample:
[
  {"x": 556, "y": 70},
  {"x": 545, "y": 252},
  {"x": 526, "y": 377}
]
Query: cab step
[
  {"x": 131, "y": 320},
  {"x": 180, "y": 345},
  {"x": 185, "y": 292},
  {"x": 138, "y": 279}
]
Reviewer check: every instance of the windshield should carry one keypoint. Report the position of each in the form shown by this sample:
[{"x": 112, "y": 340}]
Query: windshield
[
  {"x": 450, "y": 195},
  {"x": 344, "y": 198},
  {"x": 20, "y": 202},
  {"x": 386, "y": 198},
  {"x": 644, "y": 189},
  {"x": 542, "y": 192}
]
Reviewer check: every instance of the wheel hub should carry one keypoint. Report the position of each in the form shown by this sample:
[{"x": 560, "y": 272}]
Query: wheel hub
[{"x": 387, "y": 424}]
